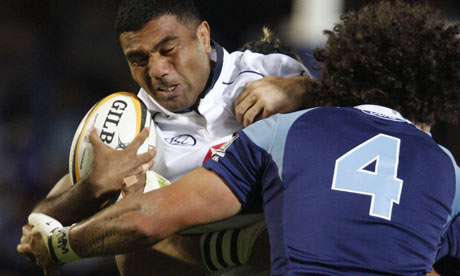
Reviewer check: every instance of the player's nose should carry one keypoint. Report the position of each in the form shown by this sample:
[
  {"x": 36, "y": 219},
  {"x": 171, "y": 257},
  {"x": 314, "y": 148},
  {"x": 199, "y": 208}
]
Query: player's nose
[{"x": 159, "y": 68}]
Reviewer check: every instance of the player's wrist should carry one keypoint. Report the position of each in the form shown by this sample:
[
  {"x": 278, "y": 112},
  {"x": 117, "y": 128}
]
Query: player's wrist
[
  {"x": 59, "y": 245},
  {"x": 55, "y": 236}
]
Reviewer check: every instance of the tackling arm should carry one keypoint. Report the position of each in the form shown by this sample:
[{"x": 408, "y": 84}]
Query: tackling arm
[{"x": 138, "y": 221}]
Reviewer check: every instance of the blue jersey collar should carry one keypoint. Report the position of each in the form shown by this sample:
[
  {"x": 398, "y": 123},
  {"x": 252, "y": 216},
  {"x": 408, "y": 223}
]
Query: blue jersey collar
[{"x": 217, "y": 56}]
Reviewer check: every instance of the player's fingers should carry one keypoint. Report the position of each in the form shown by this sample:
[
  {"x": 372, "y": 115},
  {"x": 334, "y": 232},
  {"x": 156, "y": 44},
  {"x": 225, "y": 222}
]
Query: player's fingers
[
  {"x": 24, "y": 248},
  {"x": 25, "y": 239},
  {"x": 248, "y": 87},
  {"x": 251, "y": 114},
  {"x": 143, "y": 168},
  {"x": 242, "y": 108},
  {"x": 26, "y": 228},
  {"x": 148, "y": 165},
  {"x": 139, "y": 139},
  {"x": 147, "y": 156},
  {"x": 96, "y": 140},
  {"x": 267, "y": 111}
]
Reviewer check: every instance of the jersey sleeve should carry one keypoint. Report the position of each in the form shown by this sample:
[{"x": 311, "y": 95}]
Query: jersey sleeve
[
  {"x": 272, "y": 64},
  {"x": 450, "y": 242},
  {"x": 239, "y": 162},
  {"x": 242, "y": 161}
]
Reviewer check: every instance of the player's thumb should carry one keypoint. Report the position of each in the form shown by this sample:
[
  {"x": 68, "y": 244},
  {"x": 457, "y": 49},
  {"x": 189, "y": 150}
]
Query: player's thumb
[{"x": 96, "y": 140}]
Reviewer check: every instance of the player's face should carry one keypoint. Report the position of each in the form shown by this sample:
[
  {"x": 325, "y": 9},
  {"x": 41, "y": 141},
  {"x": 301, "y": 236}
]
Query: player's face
[{"x": 169, "y": 60}]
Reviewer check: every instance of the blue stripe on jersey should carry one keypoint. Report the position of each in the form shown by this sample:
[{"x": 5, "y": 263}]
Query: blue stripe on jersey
[
  {"x": 456, "y": 203},
  {"x": 261, "y": 133}
]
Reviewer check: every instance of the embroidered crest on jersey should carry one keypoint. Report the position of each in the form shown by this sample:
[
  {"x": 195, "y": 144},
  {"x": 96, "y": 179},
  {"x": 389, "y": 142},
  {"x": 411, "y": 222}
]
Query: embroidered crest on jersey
[
  {"x": 211, "y": 152},
  {"x": 220, "y": 152},
  {"x": 182, "y": 140}
]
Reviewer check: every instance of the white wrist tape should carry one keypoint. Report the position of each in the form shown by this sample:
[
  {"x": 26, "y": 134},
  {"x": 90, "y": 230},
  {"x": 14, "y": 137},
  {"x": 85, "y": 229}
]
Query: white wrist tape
[
  {"x": 44, "y": 225},
  {"x": 55, "y": 236},
  {"x": 59, "y": 245},
  {"x": 230, "y": 247}
]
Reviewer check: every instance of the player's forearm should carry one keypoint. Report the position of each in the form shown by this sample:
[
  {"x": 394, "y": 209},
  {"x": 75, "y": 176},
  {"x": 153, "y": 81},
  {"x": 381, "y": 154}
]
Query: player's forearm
[
  {"x": 71, "y": 203},
  {"x": 130, "y": 224}
]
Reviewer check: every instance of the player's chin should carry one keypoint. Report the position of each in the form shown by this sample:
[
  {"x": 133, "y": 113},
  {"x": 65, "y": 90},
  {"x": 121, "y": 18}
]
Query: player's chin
[{"x": 176, "y": 104}]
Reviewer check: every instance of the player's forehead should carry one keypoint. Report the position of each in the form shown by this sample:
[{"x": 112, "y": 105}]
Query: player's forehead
[{"x": 154, "y": 32}]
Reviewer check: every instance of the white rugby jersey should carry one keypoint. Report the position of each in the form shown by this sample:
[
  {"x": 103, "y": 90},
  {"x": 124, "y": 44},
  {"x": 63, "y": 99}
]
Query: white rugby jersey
[{"x": 185, "y": 139}]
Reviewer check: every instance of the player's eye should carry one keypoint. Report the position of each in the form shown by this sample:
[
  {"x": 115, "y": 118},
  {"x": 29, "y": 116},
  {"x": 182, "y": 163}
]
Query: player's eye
[
  {"x": 138, "y": 62},
  {"x": 167, "y": 50}
]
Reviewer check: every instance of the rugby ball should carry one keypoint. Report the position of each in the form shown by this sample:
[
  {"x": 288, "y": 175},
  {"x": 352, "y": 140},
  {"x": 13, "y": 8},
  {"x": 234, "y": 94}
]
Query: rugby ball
[{"x": 118, "y": 118}]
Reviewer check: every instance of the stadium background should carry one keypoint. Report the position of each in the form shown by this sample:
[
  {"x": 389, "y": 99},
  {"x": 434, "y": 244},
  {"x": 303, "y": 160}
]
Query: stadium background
[{"x": 57, "y": 58}]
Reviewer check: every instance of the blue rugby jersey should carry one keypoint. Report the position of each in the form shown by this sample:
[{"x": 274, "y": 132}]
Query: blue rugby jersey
[{"x": 346, "y": 191}]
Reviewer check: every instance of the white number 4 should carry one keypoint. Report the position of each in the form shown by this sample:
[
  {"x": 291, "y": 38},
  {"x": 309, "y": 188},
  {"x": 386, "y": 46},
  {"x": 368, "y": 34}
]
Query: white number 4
[{"x": 352, "y": 175}]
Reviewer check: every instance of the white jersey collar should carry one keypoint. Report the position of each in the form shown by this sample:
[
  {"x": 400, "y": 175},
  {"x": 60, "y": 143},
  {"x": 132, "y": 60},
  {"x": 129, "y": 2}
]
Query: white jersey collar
[
  {"x": 216, "y": 55},
  {"x": 382, "y": 112}
]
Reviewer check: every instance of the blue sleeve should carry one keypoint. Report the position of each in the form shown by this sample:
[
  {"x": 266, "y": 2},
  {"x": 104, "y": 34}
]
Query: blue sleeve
[
  {"x": 450, "y": 243},
  {"x": 240, "y": 163},
  {"x": 242, "y": 160}
]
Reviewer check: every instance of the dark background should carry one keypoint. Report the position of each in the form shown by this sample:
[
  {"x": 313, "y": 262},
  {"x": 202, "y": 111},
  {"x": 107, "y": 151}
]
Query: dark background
[{"x": 57, "y": 58}]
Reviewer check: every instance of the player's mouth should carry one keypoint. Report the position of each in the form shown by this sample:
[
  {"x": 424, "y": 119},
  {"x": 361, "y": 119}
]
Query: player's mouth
[{"x": 169, "y": 90}]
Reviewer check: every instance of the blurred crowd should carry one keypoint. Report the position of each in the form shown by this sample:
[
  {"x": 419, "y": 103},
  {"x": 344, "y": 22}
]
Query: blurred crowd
[{"x": 57, "y": 58}]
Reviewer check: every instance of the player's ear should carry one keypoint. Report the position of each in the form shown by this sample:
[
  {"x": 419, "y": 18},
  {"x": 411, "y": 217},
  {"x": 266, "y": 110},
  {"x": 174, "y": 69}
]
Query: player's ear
[{"x": 203, "y": 33}]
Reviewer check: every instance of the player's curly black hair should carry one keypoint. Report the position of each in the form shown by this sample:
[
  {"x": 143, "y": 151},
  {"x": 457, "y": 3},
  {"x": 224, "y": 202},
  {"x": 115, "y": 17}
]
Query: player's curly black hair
[
  {"x": 133, "y": 15},
  {"x": 395, "y": 54}
]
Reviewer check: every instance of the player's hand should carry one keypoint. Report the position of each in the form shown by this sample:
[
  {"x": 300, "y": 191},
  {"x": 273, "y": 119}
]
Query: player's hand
[
  {"x": 133, "y": 184},
  {"x": 270, "y": 95},
  {"x": 33, "y": 247},
  {"x": 111, "y": 166}
]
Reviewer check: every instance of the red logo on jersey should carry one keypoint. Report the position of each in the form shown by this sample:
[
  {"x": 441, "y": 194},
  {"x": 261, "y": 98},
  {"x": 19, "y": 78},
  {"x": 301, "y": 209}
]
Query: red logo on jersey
[{"x": 211, "y": 151}]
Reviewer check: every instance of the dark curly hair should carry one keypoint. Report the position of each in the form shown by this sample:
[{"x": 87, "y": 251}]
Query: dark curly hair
[
  {"x": 133, "y": 15},
  {"x": 391, "y": 53}
]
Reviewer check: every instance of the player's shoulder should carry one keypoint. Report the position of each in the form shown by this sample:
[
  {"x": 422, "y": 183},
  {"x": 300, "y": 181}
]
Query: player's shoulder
[
  {"x": 250, "y": 59},
  {"x": 265, "y": 132}
]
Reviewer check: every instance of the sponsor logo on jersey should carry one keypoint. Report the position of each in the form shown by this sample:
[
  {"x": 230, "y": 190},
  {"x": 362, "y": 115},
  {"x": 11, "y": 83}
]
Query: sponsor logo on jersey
[
  {"x": 182, "y": 140},
  {"x": 220, "y": 152}
]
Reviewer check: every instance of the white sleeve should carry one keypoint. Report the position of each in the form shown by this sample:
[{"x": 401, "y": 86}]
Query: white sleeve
[{"x": 271, "y": 65}]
